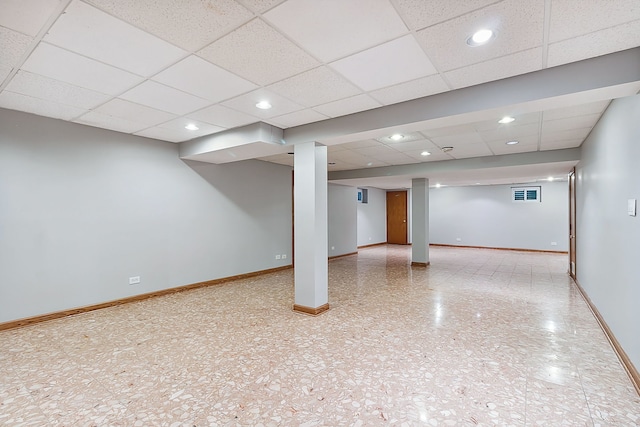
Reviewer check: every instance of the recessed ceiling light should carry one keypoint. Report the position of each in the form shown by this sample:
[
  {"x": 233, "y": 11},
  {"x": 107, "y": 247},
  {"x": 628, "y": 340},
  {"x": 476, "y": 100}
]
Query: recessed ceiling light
[
  {"x": 369, "y": 164},
  {"x": 550, "y": 179},
  {"x": 506, "y": 119},
  {"x": 480, "y": 37},
  {"x": 263, "y": 105},
  {"x": 512, "y": 142},
  {"x": 396, "y": 137},
  {"x": 438, "y": 185},
  {"x": 425, "y": 153},
  {"x": 191, "y": 126}
]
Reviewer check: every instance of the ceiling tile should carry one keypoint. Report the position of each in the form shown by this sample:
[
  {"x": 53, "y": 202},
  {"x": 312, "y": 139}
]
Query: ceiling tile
[
  {"x": 52, "y": 90},
  {"x": 578, "y": 122},
  {"x": 13, "y": 46},
  {"x": 599, "y": 43},
  {"x": 198, "y": 77},
  {"x": 178, "y": 125},
  {"x": 27, "y": 16},
  {"x": 573, "y": 134},
  {"x": 5, "y": 70},
  {"x": 577, "y": 110},
  {"x": 394, "y": 62},
  {"x": 111, "y": 41},
  {"x": 508, "y": 133},
  {"x": 106, "y": 121},
  {"x": 346, "y": 106},
  {"x": 435, "y": 156},
  {"x": 60, "y": 64},
  {"x": 260, "y": 6},
  {"x": 507, "y": 19},
  {"x": 164, "y": 134},
  {"x": 458, "y": 140},
  {"x": 467, "y": 151},
  {"x": 502, "y": 148},
  {"x": 520, "y": 120},
  {"x": 593, "y": 15},
  {"x": 522, "y": 140},
  {"x": 16, "y": 101},
  {"x": 360, "y": 144},
  {"x": 378, "y": 152},
  {"x": 318, "y": 86},
  {"x": 259, "y": 53},
  {"x": 332, "y": 29},
  {"x": 190, "y": 24},
  {"x": 448, "y": 131},
  {"x": 420, "y": 145},
  {"x": 561, "y": 144},
  {"x": 134, "y": 112},
  {"x": 349, "y": 156},
  {"x": 164, "y": 98},
  {"x": 247, "y": 104},
  {"x": 418, "y": 88},
  {"x": 222, "y": 116},
  {"x": 417, "y": 16},
  {"x": 298, "y": 118},
  {"x": 496, "y": 69}
]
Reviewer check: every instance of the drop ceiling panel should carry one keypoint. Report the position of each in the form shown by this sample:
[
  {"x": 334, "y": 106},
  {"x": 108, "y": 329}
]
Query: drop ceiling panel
[
  {"x": 111, "y": 41},
  {"x": 135, "y": 112},
  {"x": 523, "y": 140},
  {"x": 558, "y": 145},
  {"x": 178, "y": 125},
  {"x": 261, "y": 5},
  {"x": 499, "y": 149},
  {"x": 28, "y": 104},
  {"x": 552, "y": 126},
  {"x": 318, "y": 86},
  {"x": 298, "y": 118},
  {"x": 378, "y": 152},
  {"x": 222, "y": 116},
  {"x": 510, "y": 132},
  {"x": 593, "y": 15},
  {"x": 599, "y": 43},
  {"x": 418, "y": 88},
  {"x": 60, "y": 64},
  {"x": 351, "y": 157},
  {"x": 448, "y": 131},
  {"x": 507, "y": 19},
  {"x": 201, "y": 78},
  {"x": 573, "y": 134},
  {"x": 38, "y": 86},
  {"x": 417, "y": 16},
  {"x": 520, "y": 119},
  {"x": 247, "y": 104},
  {"x": 190, "y": 24},
  {"x": 165, "y": 98},
  {"x": 13, "y": 46},
  {"x": 346, "y": 106},
  {"x": 466, "y": 151},
  {"x": 5, "y": 70},
  {"x": 435, "y": 156},
  {"x": 495, "y": 69},
  {"x": 259, "y": 53},
  {"x": 394, "y": 62},
  {"x": 360, "y": 144},
  {"x": 462, "y": 139},
  {"x": 106, "y": 121},
  {"x": 163, "y": 134},
  {"x": 577, "y": 110},
  {"x": 26, "y": 16},
  {"x": 420, "y": 145},
  {"x": 332, "y": 29}
]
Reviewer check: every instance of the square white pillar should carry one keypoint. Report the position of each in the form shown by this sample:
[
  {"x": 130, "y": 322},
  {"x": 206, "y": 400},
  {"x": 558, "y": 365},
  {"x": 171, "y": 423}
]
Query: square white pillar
[
  {"x": 420, "y": 222},
  {"x": 310, "y": 228}
]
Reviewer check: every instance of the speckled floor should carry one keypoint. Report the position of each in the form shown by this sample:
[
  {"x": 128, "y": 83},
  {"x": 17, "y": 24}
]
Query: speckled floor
[{"x": 482, "y": 337}]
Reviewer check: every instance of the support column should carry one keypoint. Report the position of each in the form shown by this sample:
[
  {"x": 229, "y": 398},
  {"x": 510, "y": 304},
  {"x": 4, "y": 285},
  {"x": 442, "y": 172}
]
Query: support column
[
  {"x": 420, "y": 222},
  {"x": 310, "y": 227}
]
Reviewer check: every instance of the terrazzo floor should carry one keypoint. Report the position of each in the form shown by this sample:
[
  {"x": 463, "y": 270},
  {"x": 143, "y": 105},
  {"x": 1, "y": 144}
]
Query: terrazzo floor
[{"x": 480, "y": 338}]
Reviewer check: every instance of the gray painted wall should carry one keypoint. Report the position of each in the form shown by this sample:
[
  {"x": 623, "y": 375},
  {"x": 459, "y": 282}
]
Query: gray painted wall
[
  {"x": 372, "y": 218},
  {"x": 486, "y": 216},
  {"x": 83, "y": 209},
  {"x": 608, "y": 240},
  {"x": 342, "y": 219}
]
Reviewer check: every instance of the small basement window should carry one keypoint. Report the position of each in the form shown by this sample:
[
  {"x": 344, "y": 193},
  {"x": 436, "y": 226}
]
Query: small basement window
[{"x": 526, "y": 194}]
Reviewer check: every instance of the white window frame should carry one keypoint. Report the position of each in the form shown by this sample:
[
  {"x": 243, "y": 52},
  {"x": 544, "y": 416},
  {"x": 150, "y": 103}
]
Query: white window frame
[{"x": 526, "y": 191}]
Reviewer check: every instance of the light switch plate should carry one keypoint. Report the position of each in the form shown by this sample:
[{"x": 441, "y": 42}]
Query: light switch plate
[{"x": 631, "y": 207}]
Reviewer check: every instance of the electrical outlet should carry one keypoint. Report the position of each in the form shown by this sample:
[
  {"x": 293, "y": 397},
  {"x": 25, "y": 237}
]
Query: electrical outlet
[
  {"x": 284, "y": 256},
  {"x": 277, "y": 256},
  {"x": 134, "y": 280}
]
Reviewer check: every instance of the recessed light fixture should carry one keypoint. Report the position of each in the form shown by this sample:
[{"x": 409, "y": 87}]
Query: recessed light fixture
[
  {"x": 550, "y": 179},
  {"x": 396, "y": 137},
  {"x": 369, "y": 164},
  {"x": 505, "y": 120},
  {"x": 263, "y": 105},
  {"x": 512, "y": 142},
  {"x": 480, "y": 37},
  {"x": 438, "y": 185},
  {"x": 425, "y": 153},
  {"x": 191, "y": 126}
]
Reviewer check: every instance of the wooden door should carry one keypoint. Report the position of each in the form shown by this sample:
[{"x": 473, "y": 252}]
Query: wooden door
[
  {"x": 397, "y": 217},
  {"x": 572, "y": 224}
]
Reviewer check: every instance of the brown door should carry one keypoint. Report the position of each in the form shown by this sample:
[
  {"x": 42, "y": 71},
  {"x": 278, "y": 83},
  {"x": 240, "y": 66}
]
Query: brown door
[
  {"x": 397, "y": 217},
  {"x": 572, "y": 224}
]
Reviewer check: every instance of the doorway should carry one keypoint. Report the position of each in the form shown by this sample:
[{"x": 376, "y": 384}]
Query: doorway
[
  {"x": 572, "y": 224},
  {"x": 397, "y": 217}
]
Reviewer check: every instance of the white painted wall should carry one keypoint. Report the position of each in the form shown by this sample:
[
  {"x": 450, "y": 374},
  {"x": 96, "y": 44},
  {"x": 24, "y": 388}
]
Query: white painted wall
[
  {"x": 83, "y": 209},
  {"x": 608, "y": 240},
  {"x": 486, "y": 216},
  {"x": 372, "y": 218},
  {"x": 342, "y": 201}
]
